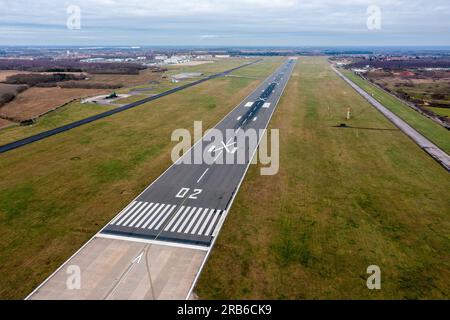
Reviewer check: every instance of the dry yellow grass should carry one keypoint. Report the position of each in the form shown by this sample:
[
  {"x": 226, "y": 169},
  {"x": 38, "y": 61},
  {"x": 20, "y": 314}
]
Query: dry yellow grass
[{"x": 35, "y": 101}]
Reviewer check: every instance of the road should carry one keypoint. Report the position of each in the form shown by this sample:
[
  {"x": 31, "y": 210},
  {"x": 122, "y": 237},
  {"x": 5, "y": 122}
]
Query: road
[
  {"x": 172, "y": 225},
  {"x": 75, "y": 124},
  {"x": 429, "y": 147}
]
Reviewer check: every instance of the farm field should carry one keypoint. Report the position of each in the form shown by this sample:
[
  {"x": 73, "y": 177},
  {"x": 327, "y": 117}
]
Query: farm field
[
  {"x": 5, "y": 123},
  {"x": 35, "y": 101},
  {"x": 343, "y": 199},
  {"x": 428, "y": 89}
]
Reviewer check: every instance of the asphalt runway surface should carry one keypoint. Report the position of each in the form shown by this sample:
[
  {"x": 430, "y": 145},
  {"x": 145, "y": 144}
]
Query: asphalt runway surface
[
  {"x": 52, "y": 132},
  {"x": 188, "y": 202}
]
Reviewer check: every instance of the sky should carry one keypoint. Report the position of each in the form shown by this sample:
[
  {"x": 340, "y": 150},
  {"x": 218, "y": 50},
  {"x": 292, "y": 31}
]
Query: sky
[{"x": 226, "y": 22}]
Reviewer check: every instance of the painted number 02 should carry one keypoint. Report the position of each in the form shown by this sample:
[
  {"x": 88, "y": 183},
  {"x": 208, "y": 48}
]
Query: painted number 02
[{"x": 185, "y": 191}]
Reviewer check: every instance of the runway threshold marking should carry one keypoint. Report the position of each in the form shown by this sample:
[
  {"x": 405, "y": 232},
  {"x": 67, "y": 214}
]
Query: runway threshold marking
[{"x": 153, "y": 218}]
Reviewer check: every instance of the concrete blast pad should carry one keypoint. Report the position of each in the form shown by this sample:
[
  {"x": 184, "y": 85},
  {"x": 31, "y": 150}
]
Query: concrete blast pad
[{"x": 120, "y": 269}]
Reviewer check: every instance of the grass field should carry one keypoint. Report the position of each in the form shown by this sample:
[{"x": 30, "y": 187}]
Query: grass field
[
  {"x": 56, "y": 193},
  {"x": 35, "y": 101},
  {"x": 343, "y": 199},
  {"x": 76, "y": 111},
  {"x": 69, "y": 113},
  {"x": 219, "y": 65},
  {"x": 430, "y": 129},
  {"x": 440, "y": 111}
]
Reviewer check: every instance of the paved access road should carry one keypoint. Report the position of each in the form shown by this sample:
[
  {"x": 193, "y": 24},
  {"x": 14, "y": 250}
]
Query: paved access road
[
  {"x": 429, "y": 147},
  {"x": 188, "y": 203}
]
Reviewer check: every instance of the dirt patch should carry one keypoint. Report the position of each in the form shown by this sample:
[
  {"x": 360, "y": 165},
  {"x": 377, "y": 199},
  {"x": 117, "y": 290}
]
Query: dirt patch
[
  {"x": 6, "y": 73},
  {"x": 36, "y": 101},
  {"x": 5, "y": 123}
]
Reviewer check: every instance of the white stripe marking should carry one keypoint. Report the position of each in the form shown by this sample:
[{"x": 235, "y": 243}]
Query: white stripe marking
[
  {"x": 151, "y": 213},
  {"x": 266, "y": 105},
  {"x": 158, "y": 242},
  {"x": 173, "y": 219},
  {"x": 163, "y": 218},
  {"x": 180, "y": 219},
  {"x": 248, "y": 104},
  {"x": 186, "y": 220},
  {"x": 239, "y": 118},
  {"x": 194, "y": 218},
  {"x": 199, "y": 221},
  {"x": 254, "y": 119},
  {"x": 202, "y": 175},
  {"x": 129, "y": 212},
  {"x": 144, "y": 213},
  {"x": 212, "y": 222},
  {"x": 135, "y": 213},
  {"x": 205, "y": 223},
  {"x": 155, "y": 218}
]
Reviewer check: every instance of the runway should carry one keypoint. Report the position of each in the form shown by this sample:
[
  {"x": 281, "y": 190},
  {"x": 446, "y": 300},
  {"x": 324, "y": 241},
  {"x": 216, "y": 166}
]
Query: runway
[{"x": 187, "y": 203}]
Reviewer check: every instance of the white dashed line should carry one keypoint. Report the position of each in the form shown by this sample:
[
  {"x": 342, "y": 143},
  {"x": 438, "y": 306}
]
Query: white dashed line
[{"x": 199, "y": 179}]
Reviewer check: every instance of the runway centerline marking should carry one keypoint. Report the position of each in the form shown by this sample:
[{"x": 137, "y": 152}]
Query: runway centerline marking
[{"x": 203, "y": 174}]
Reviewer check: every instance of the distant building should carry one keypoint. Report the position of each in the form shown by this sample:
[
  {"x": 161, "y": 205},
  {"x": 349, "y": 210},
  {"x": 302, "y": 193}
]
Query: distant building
[
  {"x": 177, "y": 59},
  {"x": 161, "y": 57},
  {"x": 204, "y": 57},
  {"x": 360, "y": 70},
  {"x": 222, "y": 56}
]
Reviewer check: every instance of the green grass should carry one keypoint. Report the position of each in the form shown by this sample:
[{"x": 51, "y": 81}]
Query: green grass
[
  {"x": 440, "y": 111},
  {"x": 219, "y": 65},
  {"x": 433, "y": 131},
  {"x": 69, "y": 113},
  {"x": 342, "y": 200},
  {"x": 56, "y": 193}
]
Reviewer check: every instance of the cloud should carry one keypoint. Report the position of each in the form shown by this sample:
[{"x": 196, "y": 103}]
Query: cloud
[{"x": 174, "y": 21}]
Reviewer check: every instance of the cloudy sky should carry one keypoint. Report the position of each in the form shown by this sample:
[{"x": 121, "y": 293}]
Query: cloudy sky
[{"x": 225, "y": 22}]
